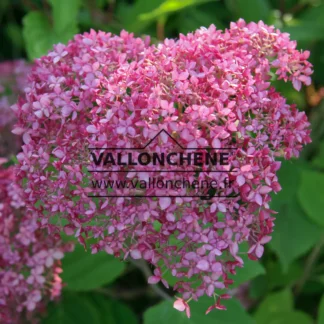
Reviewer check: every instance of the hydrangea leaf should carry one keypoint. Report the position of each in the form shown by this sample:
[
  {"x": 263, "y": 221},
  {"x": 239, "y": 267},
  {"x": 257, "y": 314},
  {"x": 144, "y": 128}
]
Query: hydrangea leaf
[
  {"x": 40, "y": 35},
  {"x": 89, "y": 308},
  {"x": 168, "y": 7},
  {"x": 306, "y": 31},
  {"x": 321, "y": 311},
  {"x": 255, "y": 10},
  {"x": 112, "y": 311},
  {"x": 318, "y": 161},
  {"x": 309, "y": 25},
  {"x": 193, "y": 18},
  {"x": 295, "y": 234},
  {"x": 84, "y": 271},
  {"x": 165, "y": 313},
  {"x": 274, "y": 304},
  {"x": 72, "y": 309},
  {"x": 64, "y": 16},
  {"x": 37, "y": 35},
  {"x": 311, "y": 196},
  {"x": 290, "y": 317},
  {"x": 277, "y": 278},
  {"x": 128, "y": 15}
]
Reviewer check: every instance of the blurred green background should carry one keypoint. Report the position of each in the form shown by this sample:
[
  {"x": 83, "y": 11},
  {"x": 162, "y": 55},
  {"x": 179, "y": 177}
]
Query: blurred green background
[{"x": 287, "y": 285}]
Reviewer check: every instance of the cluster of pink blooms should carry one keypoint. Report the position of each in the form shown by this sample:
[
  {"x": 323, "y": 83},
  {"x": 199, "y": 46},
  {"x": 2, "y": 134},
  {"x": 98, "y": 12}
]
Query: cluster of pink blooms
[
  {"x": 13, "y": 80},
  {"x": 29, "y": 258},
  {"x": 207, "y": 89}
]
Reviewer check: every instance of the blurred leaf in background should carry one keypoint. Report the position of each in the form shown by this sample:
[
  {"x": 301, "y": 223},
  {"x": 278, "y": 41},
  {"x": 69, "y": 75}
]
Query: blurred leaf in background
[{"x": 41, "y": 31}]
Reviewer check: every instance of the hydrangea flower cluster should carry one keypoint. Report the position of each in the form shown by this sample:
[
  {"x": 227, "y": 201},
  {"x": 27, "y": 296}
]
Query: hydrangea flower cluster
[
  {"x": 208, "y": 89},
  {"x": 29, "y": 258},
  {"x": 13, "y": 80}
]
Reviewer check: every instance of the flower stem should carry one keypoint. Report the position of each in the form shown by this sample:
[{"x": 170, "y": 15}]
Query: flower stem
[{"x": 145, "y": 269}]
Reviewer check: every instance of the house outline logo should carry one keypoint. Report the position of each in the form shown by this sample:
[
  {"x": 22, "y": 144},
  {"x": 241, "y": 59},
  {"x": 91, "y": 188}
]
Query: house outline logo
[
  {"x": 156, "y": 136},
  {"x": 203, "y": 197}
]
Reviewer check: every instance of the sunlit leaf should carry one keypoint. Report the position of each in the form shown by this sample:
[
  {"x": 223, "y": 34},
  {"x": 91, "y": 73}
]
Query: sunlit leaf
[{"x": 170, "y": 6}]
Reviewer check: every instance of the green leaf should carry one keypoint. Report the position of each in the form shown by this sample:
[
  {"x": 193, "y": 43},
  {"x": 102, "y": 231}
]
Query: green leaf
[
  {"x": 318, "y": 161},
  {"x": 311, "y": 195},
  {"x": 88, "y": 308},
  {"x": 250, "y": 10},
  {"x": 308, "y": 26},
  {"x": 165, "y": 313},
  {"x": 72, "y": 309},
  {"x": 305, "y": 31},
  {"x": 296, "y": 317},
  {"x": 84, "y": 271},
  {"x": 112, "y": 311},
  {"x": 40, "y": 35},
  {"x": 194, "y": 18},
  {"x": 294, "y": 233},
  {"x": 259, "y": 287},
  {"x": 37, "y": 34},
  {"x": 321, "y": 311},
  {"x": 64, "y": 16},
  {"x": 276, "y": 278},
  {"x": 129, "y": 15},
  {"x": 274, "y": 304},
  {"x": 168, "y": 7}
]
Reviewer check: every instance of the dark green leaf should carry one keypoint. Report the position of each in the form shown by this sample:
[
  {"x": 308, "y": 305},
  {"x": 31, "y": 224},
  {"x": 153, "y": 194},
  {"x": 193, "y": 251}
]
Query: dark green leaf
[
  {"x": 318, "y": 161},
  {"x": 274, "y": 304},
  {"x": 250, "y": 10},
  {"x": 88, "y": 309},
  {"x": 258, "y": 287},
  {"x": 40, "y": 35},
  {"x": 72, "y": 309},
  {"x": 321, "y": 311},
  {"x": 112, "y": 311},
  {"x": 311, "y": 195},
  {"x": 308, "y": 26},
  {"x": 295, "y": 317},
  {"x": 194, "y": 18},
  {"x": 84, "y": 271},
  {"x": 294, "y": 233},
  {"x": 276, "y": 278}
]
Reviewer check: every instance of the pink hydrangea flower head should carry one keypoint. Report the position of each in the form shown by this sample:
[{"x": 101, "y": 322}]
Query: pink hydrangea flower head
[
  {"x": 27, "y": 279},
  {"x": 208, "y": 89}
]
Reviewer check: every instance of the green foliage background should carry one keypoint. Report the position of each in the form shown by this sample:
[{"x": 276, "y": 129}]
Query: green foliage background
[{"x": 287, "y": 286}]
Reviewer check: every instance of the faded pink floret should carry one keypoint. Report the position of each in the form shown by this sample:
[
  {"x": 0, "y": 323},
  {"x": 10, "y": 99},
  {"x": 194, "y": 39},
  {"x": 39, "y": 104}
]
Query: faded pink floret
[
  {"x": 29, "y": 259},
  {"x": 208, "y": 89}
]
